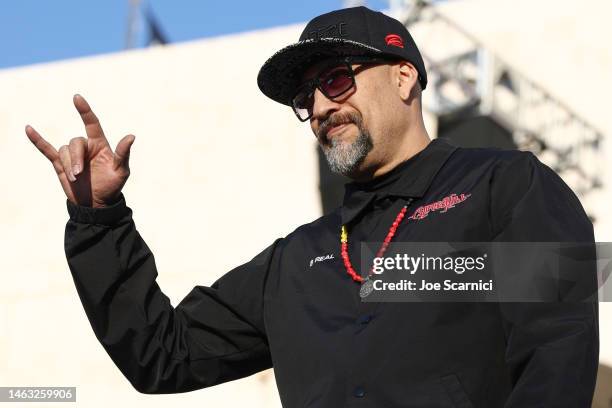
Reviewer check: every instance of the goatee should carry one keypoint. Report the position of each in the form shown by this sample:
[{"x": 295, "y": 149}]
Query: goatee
[{"x": 345, "y": 157}]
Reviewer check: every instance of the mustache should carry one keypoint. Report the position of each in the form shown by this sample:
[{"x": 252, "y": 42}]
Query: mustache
[{"x": 336, "y": 120}]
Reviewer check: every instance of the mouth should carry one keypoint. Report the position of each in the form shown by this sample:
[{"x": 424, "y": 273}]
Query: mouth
[{"x": 335, "y": 130}]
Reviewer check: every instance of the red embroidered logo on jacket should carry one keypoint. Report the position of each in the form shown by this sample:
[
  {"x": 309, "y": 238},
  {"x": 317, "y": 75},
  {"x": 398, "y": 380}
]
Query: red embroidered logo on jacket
[
  {"x": 443, "y": 205},
  {"x": 395, "y": 40}
]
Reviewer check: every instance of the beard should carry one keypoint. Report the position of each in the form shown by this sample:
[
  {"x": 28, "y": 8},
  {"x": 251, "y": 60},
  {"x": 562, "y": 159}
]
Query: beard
[{"x": 345, "y": 157}]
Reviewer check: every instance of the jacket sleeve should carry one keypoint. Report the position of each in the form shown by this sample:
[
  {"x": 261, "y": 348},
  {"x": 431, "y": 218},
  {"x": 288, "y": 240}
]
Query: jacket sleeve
[
  {"x": 215, "y": 334},
  {"x": 552, "y": 349}
]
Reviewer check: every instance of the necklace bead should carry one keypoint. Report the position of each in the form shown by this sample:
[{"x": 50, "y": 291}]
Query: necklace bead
[{"x": 344, "y": 245}]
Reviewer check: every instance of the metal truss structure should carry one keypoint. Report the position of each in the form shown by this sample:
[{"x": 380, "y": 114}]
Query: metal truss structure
[{"x": 468, "y": 74}]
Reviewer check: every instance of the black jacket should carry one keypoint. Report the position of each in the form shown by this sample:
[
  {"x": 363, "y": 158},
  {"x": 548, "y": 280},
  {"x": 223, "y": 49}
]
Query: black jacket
[{"x": 296, "y": 309}]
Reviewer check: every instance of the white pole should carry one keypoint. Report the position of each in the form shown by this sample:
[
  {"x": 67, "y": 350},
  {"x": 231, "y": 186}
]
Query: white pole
[{"x": 132, "y": 24}]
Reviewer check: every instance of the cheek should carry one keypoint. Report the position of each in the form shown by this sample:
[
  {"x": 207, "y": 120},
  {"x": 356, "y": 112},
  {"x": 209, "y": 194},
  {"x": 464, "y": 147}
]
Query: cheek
[
  {"x": 383, "y": 108},
  {"x": 372, "y": 113},
  {"x": 375, "y": 97},
  {"x": 372, "y": 102}
]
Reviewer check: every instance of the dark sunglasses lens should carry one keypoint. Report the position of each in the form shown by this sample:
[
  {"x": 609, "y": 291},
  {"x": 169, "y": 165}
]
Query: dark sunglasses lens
[
  {"x": 336, "y": 82},
  {"x": 302, "y": 103},
  {"x": 333, "y": 82}
]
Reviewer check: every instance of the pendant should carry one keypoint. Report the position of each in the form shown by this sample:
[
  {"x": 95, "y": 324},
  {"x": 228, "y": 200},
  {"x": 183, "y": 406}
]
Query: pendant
[{"x": 367, "y": 287}]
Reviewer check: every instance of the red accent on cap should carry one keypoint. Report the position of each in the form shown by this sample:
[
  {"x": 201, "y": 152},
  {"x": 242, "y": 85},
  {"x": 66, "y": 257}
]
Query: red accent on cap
[{"x": 395, "y": 40}]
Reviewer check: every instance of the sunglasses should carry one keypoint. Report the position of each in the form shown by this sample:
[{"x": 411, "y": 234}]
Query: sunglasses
[{"x": 333, "y": 80}]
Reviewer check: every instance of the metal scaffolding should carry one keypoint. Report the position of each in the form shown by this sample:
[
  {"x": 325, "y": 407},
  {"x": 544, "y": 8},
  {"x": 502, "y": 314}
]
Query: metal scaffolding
[{"x": 468, "y": 74}]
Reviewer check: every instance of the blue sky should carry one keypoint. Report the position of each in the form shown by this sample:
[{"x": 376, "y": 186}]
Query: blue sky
[{"x": 33, "y": 31}]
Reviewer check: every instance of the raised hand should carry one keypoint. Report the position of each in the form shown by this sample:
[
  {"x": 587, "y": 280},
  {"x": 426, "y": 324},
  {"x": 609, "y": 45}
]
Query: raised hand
[{"x": 90, "y": 173}]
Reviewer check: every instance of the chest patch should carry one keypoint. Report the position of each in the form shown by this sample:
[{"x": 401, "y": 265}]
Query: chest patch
[{"x": 442, "y": 205}]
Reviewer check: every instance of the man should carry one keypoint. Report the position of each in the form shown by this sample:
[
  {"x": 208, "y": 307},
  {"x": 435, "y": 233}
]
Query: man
[{"x": 356, "y": 76}]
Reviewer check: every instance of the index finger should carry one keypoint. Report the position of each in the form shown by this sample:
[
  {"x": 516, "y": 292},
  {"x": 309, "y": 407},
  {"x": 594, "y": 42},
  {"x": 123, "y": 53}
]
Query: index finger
[
  {"x": 92, "y": 124},
  {"x": 41, "y": 144}
]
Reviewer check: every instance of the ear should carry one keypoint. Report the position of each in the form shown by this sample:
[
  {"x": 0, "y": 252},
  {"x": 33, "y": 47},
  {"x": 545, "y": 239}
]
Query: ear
[{"x": 406, "y": 79}]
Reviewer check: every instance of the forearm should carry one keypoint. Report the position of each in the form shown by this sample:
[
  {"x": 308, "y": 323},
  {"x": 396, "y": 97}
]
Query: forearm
[{"x": 158, "y": 348}]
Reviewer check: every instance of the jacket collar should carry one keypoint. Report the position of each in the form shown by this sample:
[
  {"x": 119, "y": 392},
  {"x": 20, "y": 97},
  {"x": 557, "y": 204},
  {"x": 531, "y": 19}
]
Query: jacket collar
[{"x": 410, "y": 178}]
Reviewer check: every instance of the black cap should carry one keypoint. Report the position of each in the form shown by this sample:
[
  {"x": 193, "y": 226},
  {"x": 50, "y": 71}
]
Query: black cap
[{"x": 355, "y": 31}]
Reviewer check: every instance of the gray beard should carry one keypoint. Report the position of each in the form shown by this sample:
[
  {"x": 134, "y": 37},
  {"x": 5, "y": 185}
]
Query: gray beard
[{"x": 344, "y": 158}]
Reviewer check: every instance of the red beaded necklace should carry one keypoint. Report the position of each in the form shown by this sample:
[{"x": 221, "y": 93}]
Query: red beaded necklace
[{"x": 367, "y": 285}]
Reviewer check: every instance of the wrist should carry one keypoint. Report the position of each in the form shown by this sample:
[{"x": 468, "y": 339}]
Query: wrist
[
  {"x": 108, "y": 203},
  {"x": 104, "y": 214}
]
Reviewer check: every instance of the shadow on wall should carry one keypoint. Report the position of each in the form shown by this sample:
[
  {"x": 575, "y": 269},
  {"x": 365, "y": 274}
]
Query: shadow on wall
[{"x": 475, "y": 131}]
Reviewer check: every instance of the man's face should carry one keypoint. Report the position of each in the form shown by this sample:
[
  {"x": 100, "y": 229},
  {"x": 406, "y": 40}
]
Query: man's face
[{"x": 349, "y": 127}]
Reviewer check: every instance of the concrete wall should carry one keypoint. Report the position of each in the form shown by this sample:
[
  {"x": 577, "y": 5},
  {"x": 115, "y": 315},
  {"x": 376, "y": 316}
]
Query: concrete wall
[{"x": 218, "y": 172}]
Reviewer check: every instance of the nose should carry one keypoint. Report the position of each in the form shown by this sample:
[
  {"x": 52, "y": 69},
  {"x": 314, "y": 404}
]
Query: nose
[{"x": 323, "y": 106}]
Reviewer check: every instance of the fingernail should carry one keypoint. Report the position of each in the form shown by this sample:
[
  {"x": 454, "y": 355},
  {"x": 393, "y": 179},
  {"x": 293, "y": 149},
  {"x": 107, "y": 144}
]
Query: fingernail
[{"x": 76, "y": 169}]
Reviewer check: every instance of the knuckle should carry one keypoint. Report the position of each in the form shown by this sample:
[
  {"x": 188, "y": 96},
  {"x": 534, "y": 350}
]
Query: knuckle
[{"x": 77, "y": 140}]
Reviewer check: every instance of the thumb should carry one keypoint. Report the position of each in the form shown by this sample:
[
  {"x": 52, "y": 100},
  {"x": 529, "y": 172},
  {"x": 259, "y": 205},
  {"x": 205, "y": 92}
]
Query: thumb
[{"x": 122, "y": 152}]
